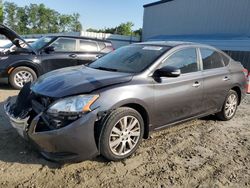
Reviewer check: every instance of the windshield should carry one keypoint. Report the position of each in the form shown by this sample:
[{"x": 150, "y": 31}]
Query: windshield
[
  {"x": 40, "y": 43},
  {"x": 131, "y": 59}
]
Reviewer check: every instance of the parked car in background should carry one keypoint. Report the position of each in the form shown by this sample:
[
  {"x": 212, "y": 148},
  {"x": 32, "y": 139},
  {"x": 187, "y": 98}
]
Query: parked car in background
[
  {"x": 108, "y": 106},
  {"x": 48, "y": 53},
  {"x": 10, "y": 47}
]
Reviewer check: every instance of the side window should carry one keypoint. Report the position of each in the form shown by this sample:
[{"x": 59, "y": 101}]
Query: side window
[
  {"x": 64, "y": 44},
  {"x": 211, "y": 59},
  {"x": 185, "y": 60},
  {"x": 88, "y": 46}
]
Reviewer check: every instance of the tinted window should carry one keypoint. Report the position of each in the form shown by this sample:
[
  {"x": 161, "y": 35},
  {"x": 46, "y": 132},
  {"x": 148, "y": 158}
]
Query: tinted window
[
  {"x": 64, "y": 44},
  {"x": 211, "y": 59},
  {"x": 185, "y": 60},
  {"x": 88, "y": 46},
  {"x": 133, "y": 58}
]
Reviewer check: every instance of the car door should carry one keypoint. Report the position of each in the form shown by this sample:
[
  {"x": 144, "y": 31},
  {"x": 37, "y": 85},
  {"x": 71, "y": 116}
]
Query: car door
[
  {"x": 217, "y": 79},
  {"x": 181, "y": 97},
  {"x": 88, "y": 52},
  {"x": 64, "y": 54}
]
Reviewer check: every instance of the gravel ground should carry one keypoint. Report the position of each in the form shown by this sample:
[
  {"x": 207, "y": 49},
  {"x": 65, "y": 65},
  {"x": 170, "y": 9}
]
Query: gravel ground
[{"x": 199, "y": 153}]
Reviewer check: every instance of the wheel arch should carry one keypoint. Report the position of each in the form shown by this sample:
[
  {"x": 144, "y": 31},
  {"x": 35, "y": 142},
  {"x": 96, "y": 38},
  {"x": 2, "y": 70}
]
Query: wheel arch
[
  {"x": 143, "y": 112},
  {"x": 238, "y": 91},
  {"x": 136, "y": 105},
  {"x": 28, "y": 64},
  {"x": 140, "y": 107}
]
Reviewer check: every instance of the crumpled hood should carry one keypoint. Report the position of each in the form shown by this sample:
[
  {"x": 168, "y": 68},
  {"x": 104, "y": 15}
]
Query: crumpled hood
[{"x": 76, "y": 80}]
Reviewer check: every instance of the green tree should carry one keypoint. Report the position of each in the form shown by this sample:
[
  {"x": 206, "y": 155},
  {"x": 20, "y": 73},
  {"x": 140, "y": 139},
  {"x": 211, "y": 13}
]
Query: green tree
[
  {"x": 1, "y": 11},
  {"x": 125, "y": 28},
  {"x": 94, "y": 30},
  {"x": 10, "y": 14},
  {"x": 64, "y": 22},
  {"x": 138, "y": 32},
  {"x": 23, "y": 20},
  {"x": 38, "y": 19},
  {"x": 33, "y": 18},
  {"x": 75, "y": 23},
  {"x": 122, "y": 29}
]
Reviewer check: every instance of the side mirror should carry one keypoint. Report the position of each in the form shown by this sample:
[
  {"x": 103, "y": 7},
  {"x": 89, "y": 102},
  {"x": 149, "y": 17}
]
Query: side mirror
[
  {"x": 49, "y": 49},
  {"x": 167, "y": 71}
]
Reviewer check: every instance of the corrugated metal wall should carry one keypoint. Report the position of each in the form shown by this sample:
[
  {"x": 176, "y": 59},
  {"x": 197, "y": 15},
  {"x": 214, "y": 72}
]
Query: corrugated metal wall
[{"x": 190, "y": 17}]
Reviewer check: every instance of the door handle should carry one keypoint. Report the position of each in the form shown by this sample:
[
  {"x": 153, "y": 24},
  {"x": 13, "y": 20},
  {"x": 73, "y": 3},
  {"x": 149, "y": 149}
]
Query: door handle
[
  {"x": 226, "y": 78},
  {"x": 197, "y": 84},
  {"x": 73, "y": 55}
]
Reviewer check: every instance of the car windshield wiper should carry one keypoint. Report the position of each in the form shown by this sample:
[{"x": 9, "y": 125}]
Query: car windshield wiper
[{"x": 106, "y": 69}]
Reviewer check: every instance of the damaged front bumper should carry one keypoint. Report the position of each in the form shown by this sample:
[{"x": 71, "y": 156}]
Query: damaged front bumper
[
  {"x": 21, "y": 125},
  {"x": 72, "y": 143}
]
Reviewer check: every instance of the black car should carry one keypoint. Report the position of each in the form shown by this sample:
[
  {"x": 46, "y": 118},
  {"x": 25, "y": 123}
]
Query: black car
[
  {"x": 108, "y": 106},
  {"x": 47, "y": 54}
]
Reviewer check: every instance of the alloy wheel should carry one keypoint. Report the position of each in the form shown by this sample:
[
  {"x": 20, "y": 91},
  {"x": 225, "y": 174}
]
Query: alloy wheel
[
  {"x": 22, "y": 77},
  {"x": 231, "y": 105},
  {"x": 124, "y": 135}
]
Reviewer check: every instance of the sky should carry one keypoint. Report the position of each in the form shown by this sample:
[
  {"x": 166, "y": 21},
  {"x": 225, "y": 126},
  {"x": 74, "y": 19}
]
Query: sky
[{"x": 96, "y": 13}]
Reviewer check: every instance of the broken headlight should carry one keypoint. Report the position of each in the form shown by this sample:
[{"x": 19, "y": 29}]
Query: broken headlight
[{"x": 72, "y": 105}]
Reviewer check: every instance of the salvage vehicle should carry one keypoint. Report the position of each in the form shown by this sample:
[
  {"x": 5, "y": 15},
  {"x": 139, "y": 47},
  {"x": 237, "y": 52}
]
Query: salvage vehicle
[
  {"x": 108, "y": 106},
  {"x": 48, "y": 53}
]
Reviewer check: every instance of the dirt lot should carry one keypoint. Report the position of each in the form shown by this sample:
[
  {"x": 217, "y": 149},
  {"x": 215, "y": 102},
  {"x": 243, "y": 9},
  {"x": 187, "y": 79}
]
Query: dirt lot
[{"x": 200, "y": 153}]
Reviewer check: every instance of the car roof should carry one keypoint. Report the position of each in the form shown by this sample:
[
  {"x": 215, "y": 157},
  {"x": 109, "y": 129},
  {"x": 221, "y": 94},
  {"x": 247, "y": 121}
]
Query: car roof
[
  {"x": 80, "y": 37},
  {"x": 173, "y": 43}
]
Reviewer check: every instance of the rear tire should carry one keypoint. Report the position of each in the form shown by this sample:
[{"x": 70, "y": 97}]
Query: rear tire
[
  {"x": 230, "y": 106},
  {"x": 121, "y": 134},
  {"x": 21, "y": 75}
]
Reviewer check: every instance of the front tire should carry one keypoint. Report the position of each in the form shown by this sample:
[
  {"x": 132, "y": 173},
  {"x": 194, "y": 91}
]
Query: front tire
[
  {"x": 230, "y": 106},
  {"x": 20, "y": 76},
  {"x": 121, "y": 134}
]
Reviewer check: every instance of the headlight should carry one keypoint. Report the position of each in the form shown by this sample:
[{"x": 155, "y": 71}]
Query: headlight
[{"x": 73, "y": 105}]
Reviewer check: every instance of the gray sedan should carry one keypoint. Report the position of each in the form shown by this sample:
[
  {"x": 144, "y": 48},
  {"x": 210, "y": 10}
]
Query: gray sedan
[{"x": 107, "y": 107}]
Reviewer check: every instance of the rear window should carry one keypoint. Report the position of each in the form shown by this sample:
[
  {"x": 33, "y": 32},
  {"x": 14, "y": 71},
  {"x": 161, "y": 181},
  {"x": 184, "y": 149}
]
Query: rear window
[
  {"x": 211, "y": 59},
  {"x": 88, "y": 46}
]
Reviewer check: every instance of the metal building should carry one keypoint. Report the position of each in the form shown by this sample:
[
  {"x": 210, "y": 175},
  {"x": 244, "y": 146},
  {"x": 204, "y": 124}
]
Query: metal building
[{"x": 222, "y": 23}]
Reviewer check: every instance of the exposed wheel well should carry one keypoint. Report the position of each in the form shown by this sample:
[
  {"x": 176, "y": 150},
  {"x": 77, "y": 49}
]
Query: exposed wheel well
[
  {"x": 144, "y": 115},
  {"x": 238, "y": 91}
]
